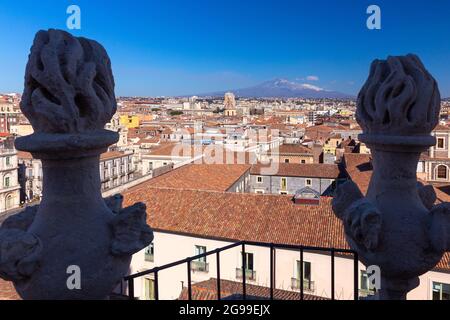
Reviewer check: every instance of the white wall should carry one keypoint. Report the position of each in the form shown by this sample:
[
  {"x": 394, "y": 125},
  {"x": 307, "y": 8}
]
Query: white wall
[{"x": 172, "y": 247}]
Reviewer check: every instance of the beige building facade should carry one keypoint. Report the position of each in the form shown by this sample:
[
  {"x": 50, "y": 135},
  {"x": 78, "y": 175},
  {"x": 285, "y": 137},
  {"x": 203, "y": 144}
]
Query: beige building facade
[{"x": 9, "y": 184}]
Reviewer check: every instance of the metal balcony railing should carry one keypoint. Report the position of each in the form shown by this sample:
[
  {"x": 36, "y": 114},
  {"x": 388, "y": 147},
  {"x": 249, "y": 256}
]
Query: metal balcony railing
[
  {"x": 272, "y": 246},
  {"x": 249, "y": 274},
  {"x": 200, "y": 266},
  {"x": 308, "y": 285}
]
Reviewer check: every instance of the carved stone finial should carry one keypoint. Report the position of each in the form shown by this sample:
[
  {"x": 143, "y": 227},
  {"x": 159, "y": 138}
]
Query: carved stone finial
[
  {"x": 399, "y": 101},
  {"x": 396, "y": 225},
  {"x": 69, "y": 86},
  {"x": 68, "y": 98}
]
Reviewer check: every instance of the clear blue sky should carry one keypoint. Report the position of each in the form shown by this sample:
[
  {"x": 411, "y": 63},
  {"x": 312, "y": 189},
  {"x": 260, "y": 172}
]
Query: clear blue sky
[{"x": 169, "y": 47}]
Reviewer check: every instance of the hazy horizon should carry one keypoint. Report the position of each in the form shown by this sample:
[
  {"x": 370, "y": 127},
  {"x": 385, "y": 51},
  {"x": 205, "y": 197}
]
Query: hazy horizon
[{"x": 180, "y": 48}]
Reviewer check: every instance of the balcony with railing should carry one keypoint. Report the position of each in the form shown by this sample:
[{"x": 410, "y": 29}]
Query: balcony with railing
[
  {"x": 249, "y": 274},
  {"x": 197, "y": 263},
  {"x": 308, "y": 285}
]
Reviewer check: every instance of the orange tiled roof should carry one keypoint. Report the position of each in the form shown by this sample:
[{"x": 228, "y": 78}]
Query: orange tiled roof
[
  {"x": 111, "y": 155},
  {"x": 215, "y": 177},
  {"x": 240, "y": 216},
  {"x": 440, "y": 127},
  {"x": 168, "y": 148},
  {"x": 7, "y": 291},
  {"x": 232, "y": 290},
  {"x": 244, "y": 216},
  {"x": 24, "y": 155},
  {"x": 359, "y": 168},
  {"x": 211, "y": 154},
  {"x": 293, "y": 149}
]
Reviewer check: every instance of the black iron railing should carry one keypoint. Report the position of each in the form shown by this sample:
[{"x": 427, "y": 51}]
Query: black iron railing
[{"x": 272, "y": 246}]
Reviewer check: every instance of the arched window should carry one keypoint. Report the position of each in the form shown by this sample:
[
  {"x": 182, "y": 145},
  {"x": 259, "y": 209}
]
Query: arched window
[{"x": 442, "y": 172}]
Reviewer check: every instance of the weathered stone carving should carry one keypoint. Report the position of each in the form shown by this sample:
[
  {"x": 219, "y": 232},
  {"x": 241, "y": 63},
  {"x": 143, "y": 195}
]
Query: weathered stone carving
[
  {"x": 68, "y": 98},
  {"x": 115, "y": 203},
  {"x": 396, "y": 226},
  {"x": 69, "y": 86},
  {"x": 130, "y": 231}
]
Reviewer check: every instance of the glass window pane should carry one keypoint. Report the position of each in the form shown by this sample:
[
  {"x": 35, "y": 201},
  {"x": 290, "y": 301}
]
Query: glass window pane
[
  {"x": 248, "y": 261},
  {"x": 364, "y": 280},
  {"x": 306, "y": 270},
  {"x": 200, "y": 250},
  {"x": 440, "y": 291}
]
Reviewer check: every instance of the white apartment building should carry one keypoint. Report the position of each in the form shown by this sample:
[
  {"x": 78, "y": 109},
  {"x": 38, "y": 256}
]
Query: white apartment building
[
  {"x": 9, "y": 184},
  {"x": 195, "y": 222},
  {"x": 116, "y": 169}
]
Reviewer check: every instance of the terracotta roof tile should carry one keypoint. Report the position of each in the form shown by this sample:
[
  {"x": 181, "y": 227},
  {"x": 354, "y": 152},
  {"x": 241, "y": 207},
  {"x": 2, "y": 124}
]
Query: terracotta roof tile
[
  {"x": 440, "y": 127},
  {"x": 359, "y": 169},
  {"x": 24, "y": 155},
  {"x": 7, "y": 291},
  {"x": 240, "y": 216},
  {"x": 214, "y": 177},
  {"x": 232, "y": 290},
  {"x": 111, "y": 155},
  {"x": 243, "y": 216},
  {"x": 293, "y": 149}
]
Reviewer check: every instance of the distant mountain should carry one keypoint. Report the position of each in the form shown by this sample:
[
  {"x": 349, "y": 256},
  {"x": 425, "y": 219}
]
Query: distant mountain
[{"x": 282, "y": 88}]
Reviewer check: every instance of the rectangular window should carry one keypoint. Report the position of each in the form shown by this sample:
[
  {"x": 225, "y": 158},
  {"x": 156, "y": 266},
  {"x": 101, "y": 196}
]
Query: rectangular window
[
  {"x": 308, "y": 182},
  {"x": 441, "y": 291},
  {"x": 8, "y": 161},
  {"x": 249, "y": 273},
  {"x": 364, "y": 280},
  {"x": 200, "y": 264},
  {"x": 259, "y": 179},
  {"x": 7, "y": 182},
  {"x": 200, "y": 250},
  {"x": 286, "y": 160},
  {"x": 283, "y": 183},
  {"x": 150, "y": 252},
  {"x": 306, "y": 271},
  {"x": 248, "y": 261},
  {"x": 365, "y": 289},
  {"x": 149, "y": 289},
  {"x": 440, "y": 143}
]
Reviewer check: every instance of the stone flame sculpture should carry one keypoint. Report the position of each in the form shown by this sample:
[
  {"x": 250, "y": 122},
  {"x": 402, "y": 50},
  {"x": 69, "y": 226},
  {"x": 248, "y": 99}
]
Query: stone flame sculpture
[
  {"x": 68, "y": 98},
  {"x": 396, "y": 226}
]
